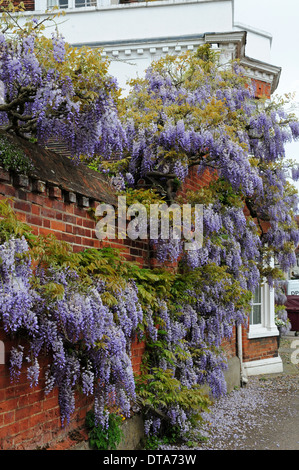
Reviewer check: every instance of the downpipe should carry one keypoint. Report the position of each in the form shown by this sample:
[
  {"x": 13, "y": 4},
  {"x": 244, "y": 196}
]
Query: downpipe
[{"x": 244, "y": 378}]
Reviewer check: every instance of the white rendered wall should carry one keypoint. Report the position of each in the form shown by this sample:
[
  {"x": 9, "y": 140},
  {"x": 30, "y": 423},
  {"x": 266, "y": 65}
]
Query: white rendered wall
[
  {"x": 258, "y": 42},
  {"x": 144, "y": 20},
  {"x": 130, "y": 32}
]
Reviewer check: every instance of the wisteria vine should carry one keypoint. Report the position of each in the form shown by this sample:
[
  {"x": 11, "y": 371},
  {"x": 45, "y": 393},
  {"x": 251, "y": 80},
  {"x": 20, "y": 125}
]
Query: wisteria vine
[
  {"x": 48, "y": 92},
  {"x": 89, "y": 342},
  {"x": 187, "y": 112}
]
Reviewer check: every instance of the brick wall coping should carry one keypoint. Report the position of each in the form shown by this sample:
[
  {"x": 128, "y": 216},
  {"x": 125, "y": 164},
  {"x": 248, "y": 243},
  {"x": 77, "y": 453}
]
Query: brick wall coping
[{"x": 58, "y": 171}]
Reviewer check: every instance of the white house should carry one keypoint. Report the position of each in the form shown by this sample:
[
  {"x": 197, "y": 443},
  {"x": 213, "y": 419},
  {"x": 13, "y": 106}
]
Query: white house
[{"x": 134, "y": 34}]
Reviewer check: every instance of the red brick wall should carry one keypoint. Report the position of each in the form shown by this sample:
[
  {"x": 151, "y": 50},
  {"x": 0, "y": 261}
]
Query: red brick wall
[
  {"x": 259, "y": 348},
  {"x": 47, "y": 210},
  {"x": 28, "y": 4},
  {"x": 28, "y": 418},
  {"x": 194, "y": 181},
  {"x": 262, "y": 89}
]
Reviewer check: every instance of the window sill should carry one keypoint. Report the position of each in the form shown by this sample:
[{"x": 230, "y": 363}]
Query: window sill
[{"x": 259, "y": 331}]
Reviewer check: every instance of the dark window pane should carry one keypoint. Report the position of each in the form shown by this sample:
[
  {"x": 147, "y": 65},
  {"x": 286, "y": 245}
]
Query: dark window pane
[
  {"x": 256, "y": 309},
  {"x": 85, "y": 3}
]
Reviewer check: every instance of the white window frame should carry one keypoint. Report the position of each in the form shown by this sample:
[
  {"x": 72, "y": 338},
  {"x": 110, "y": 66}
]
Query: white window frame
[
  {"x": 267, "y": 326},
  {"x": 42, "y": 5},
  {"x": 253, "y": 304}
]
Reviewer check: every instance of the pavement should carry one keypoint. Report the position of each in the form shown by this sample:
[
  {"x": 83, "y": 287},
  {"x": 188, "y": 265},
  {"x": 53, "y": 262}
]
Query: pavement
[
  {"x": 285, "y": 433},
  {"x": 263, "y": 415}
]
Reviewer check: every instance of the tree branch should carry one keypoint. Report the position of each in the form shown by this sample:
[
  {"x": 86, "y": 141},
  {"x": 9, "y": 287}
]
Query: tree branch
[
  {"x": 254, "y": 214},
  {"x": 24, "y": 96}
]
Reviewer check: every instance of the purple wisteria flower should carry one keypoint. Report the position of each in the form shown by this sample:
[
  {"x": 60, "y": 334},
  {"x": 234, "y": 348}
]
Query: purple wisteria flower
[{"x": 88, "y": 341}]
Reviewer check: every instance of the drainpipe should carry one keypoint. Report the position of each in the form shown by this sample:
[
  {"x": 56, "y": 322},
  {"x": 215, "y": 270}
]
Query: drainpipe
[
  {"x": 244, "y": 378},
  {"x": 2, "y": 353}
]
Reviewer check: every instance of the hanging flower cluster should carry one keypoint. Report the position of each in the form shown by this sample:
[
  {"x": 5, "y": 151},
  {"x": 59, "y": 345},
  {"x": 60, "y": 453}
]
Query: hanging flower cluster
[
  {"x": 189, "y": 111},
  {"x": 68, "y": 317},
  {"x": 186, "y": 344},
  {"x": 89, "y": 342},
  {"x": 48, "y": 93}
]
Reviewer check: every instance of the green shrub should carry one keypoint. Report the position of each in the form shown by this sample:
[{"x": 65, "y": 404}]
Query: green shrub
[{"x": 104, "y": 439}]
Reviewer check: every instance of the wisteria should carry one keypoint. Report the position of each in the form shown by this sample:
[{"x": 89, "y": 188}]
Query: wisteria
[
  {"x": 192, "y": 112},
  {"x": 48, "y": 95},
  {"x": 187, "y": 113},
  {"x": 99, "y": 359},
  {"x": 213, "y": 123}
]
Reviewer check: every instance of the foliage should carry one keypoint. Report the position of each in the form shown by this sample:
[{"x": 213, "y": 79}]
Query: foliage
[
  {"x": 104, "y": 438},
  {"x": 83, "y": 309},
  {"x": 12, "y": 158},
  {"x": 167, "y": 404},
  {"x": 281, "y": 316},
  {"x": 281, "y": 319},
  {"x": 55, "y": 299},
  {"x": 184, "y": 348}
]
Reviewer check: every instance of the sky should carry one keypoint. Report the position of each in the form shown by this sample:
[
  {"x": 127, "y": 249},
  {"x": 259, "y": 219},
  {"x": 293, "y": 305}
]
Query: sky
[{"x": 280, "y": 18}]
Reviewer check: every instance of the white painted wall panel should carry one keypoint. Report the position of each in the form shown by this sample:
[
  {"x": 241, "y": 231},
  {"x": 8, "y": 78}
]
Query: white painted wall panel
[{"x": 145, "y": 20}]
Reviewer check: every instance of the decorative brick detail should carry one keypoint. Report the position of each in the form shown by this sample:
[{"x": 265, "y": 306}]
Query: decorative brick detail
[
  {"x": 55, "y": 192},
  {"x": 4, "y": 175},
  {"x": 71, "y": 197},
  {"x": 22, "y": 181},
  {"x": 39, "y": 186},
  {"x": 83, "y": 201}
]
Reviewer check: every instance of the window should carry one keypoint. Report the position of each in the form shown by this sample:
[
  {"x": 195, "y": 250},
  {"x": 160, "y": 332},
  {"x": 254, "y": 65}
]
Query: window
[
  {"x": 71, "y": 3},
  {"x": 261, "y": 319},
  {"x": 256, "y": 308},
  {"x": 85, "y": 3},
  {"x": 57, "y": 3}
]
